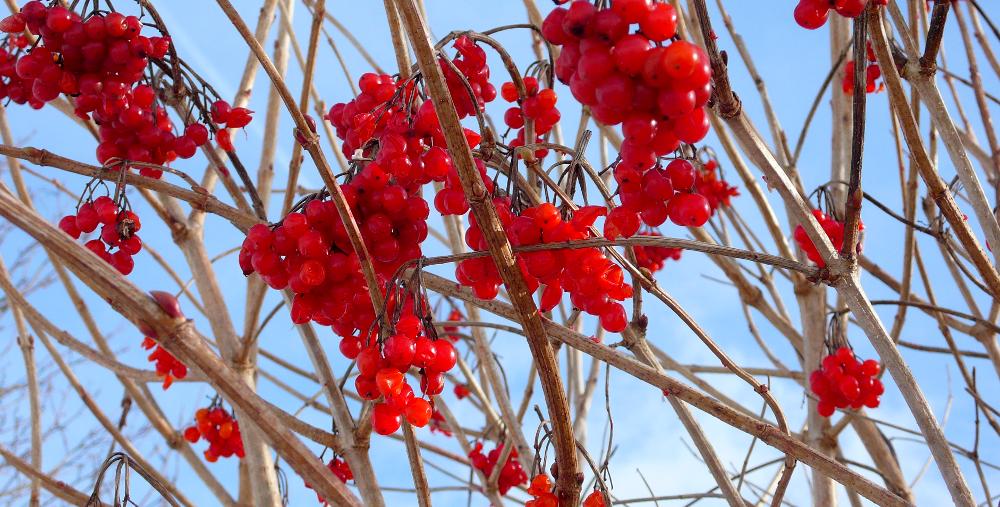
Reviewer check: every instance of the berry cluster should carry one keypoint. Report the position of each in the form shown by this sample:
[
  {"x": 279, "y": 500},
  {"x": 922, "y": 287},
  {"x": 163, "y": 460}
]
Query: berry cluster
[
  {"x": 538, "y": 106},
  {"x": 652, "y": 257},
  {"x": 844, "y": 382},
  {"x": 118, "y": 230},
  {"x": 510, "y": 476},
  {"x": 220, "y": 429},
  {"x": 380, "y": 374},
  {"x": 13, "y": 86},
  {"x": 543, "y": 494},
  {"x": 99, "y": 61},
  {"x": 812, "y": 14},
  {"x": 657, "y": 92},
  {"x": 341, "y": 470},
  {"x": 834, "y": 230},
  {"x": 595, "y": 284},
  {"x": 709, "y": 183},
  {"x": 872, "y": 74},
  {"x": 540, "y": 490},
  {"x": 167, "y": 366},
  {"x": 227, "y": 117},
  {"x": 310, "y": 252},
  {"x": 471, "y": 63}
]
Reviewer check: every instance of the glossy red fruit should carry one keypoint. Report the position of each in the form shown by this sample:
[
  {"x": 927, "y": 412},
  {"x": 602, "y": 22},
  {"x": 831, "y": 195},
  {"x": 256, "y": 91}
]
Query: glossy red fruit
[
  {"x": 369, "y": 361},
  {"x": 576, "y": 22},
  {"x": 424, "y": 352},
  {"x": 59, "y": 19},
  {"x": 350, "y": 347},
  {"x": 389, "y": 381},
  {"x": 68, "y": 225},
  {"x": 220, "y": 111},
  {"x": 431, "y": 383},
  {"x": 594, "y": 499},
  {"x": 630, "y": 53},
  {"x": 385, "y": 419},
  {"x": 681, "y": 58},
  {"x": 86, "y": 218},
  {"x": 168, "y": 303},
  {"x": 812, "y": 14},
  {"x": 418, "y": 412},
  {"x": 614, "y": 319},
  {"x": 681, "y": 174},
  {"x": 632, "y": 11},
  {"x": 12, "y": 24},
  {"x": 660, "y": 22},
  {"x": 191, "y": 434},
  {"x": 399, "y": 350},
  {"x": 367, "y": 388},
  {"x": 445, "y": 357},
  {"x": 689, "y": 210}
]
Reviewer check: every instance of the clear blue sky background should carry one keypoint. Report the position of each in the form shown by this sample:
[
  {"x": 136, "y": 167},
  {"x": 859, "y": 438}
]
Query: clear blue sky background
[{"x": 649, "y": 438}]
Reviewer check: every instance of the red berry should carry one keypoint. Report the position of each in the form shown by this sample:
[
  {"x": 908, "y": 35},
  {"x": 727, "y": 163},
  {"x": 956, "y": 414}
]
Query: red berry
[
  {"x": 220, "y": 111},
  {"x": 68, "y": 225},
  {"x": 812, "y": 14},
  {"x": 418, "y": 412},
  {"x": 660, "y": 22},
  {"x": 689, "y": 210},
  {"x": 385, "y": 419}
]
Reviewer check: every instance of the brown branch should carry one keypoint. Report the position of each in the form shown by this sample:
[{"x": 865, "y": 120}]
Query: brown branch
[
  {"x": 860, "y": 96},
  {"x": 569, "y": 480},
  {"x": 934, "y": 34}
]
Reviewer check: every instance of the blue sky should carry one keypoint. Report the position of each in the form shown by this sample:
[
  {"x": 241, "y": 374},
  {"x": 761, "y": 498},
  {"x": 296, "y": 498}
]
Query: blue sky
[{"x": 793, "y": 63}]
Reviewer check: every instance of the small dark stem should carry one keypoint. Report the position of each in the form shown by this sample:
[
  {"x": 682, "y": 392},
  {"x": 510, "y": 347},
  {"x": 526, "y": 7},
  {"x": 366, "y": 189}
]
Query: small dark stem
[
  {"x": 854, "y": 193},
  {"x": 934, "y": 34},
  {"x": 726, "y": 101}
]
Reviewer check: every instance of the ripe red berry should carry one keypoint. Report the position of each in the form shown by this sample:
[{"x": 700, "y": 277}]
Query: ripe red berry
[
  {"x": 660, "y": 22},
  {"x": 385, "y": 419},
  {"x": 191, "y": 434},
  {"x": 69, "y": 226},
  {"x": 220, "y": 111},
  {"x": 812, "y": 14},
  {"x": 689, "y": 210},
  {"x": 13, "y": 23},
  {"x": 418, "y": 412},
  {"x": 632, "y": 11}
]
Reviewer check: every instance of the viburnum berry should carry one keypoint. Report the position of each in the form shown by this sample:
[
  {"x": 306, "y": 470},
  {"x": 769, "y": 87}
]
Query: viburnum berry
[
  {"x": 511, "y": 475},
  {"x": 834, "y": 230},
  {"x": 689, "y": 210},
  {"x": 168, "y": 367},
  {"x": 812, "y": 14},
  {"x": 341, "y": 470},
  {"x": 842, "y": 381},
  {"x": 594, "y": 499},
  {"x": 220, "y": 429},
  {"x": 541, "y": 490},
  {"x": 652, "y": 257},
  {"x": 872, "y": 75},
  {"x": 385, "y": 419},
  {"x": 117, "y": 241}
]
